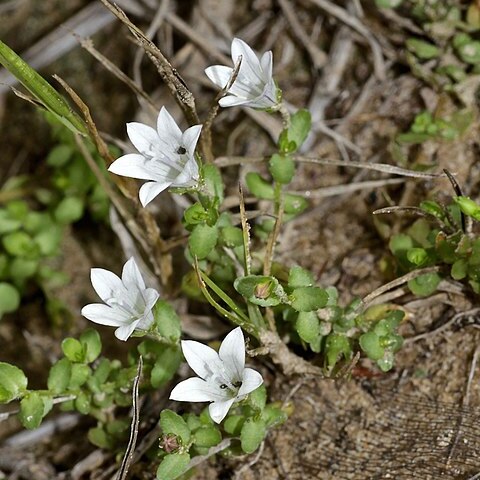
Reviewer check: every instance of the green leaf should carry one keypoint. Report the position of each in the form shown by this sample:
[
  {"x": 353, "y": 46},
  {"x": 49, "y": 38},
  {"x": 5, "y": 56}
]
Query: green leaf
[
  {"x": 167, "y": 321},
  {"x": 417, "y": 256},
  {"x": 13, "y": 382},
  {"x": 69, "y": 210},
  {"x": 59, "y": 155},
  {"x": 7, "y": 223},
  {"x": 459, "y": 269},
  {"x": 202, "y": 240},
  {"x": 22, "y": 268},
  {"x": 213, "y": 182},
  {"x": 258, "y": 186},
  {"x": 33, "y": 408},
  {"x": 98, "y": 437},
  {"x": 9, "y": 298},
  {"x": 308, "y": 299},
  {"x": 233, "y": 424},
  {"x": 20, "y": 244},
  {"x": 173, "y": 466},
  {"x": 48, "y": 240},
  {"x": 231, "y": 236},
  {"x": 388, "y": 3},
  {"x": 83, "y": 403},
  {"x": 173, "y": 423},
  {"x": 424, "y": 285},
  {"x": 294, "y": 204},
  {"x": 41, "y": 89},
  {"x": 299, "y": 277},
  {"x": 300, "y": 124},
  {"x": 422, "y": 49},
  {"x": 165, "y": 367},
  {"x": 252, "y": 434},
  {"x": 307, "y": 326},
  {"x": 468, "y": 207},
  {"x": 282, "y": 168},
  {"x": 336, "y": 346},
  {"x": 207, "y": 436},
  {"x": 370, "y": 344},
  {"x": 469, "y": 52},
  {"x": 59, "y": 376},
  {"x": 258, "y": 398},
  {"x": 273, "y": 415},
  {"x": 73, "y": 350},
  {"x": 79, "y": 375},
  {"x": 90, "y": 340}
]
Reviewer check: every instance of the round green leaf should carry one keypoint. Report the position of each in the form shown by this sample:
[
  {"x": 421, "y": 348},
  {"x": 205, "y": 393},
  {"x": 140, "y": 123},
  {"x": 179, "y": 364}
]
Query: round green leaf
[
  {"x": 282, "y": 168},
  {"x": 69, "y": 210},
  {"x": 207, "y": 436},
  {"x": 308, "y": 326},
  {"x": 173, "y": 423},
  {"x": 202, "y": 240},
  {"x": 59, "y": 376},
  {"x": 9, "y": 298},
  {"x": 370, "y": 344},
  {"x": 308, "y": 299},
  {"x": 73, "y": 350},
  {"x": 33, "y": 408},
  {"x": 20, "y": 244},
  {"x": 173, "y": 466},
  {"x": 252, "y": 434},
  {"x": 167, "y": 321},
  {"x": 90, "y": 339},
  {"x": 13, "y": 382}
]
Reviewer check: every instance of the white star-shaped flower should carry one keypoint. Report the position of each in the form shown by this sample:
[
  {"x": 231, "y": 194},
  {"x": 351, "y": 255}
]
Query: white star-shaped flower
[
  {"x": 128, "y": 302},
  {"x": 254, "y": 86},
  {"x": 166, "y": 156},
  {"x": 223, "y": 376}
]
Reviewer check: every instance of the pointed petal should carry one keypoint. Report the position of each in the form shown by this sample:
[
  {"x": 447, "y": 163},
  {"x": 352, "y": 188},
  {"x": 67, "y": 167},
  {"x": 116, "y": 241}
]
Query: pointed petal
[
  {"x": 190, "y": 138},
  {"x": 232, "y": 353},
  {"x": 203, "y": 360},
  {"x": 249, "y": 57},
  {"x": 124, "y": 332},
  {"x": 219, "y": 74},
  {"x": 105, "y": 315},
  {"x": 148, "y": 191},
  {"x": 218, "y": 410},
  {"x": 233, "y": 101},
  {"x": 146, "y": 321},
  {"x": 196, "y": 390},
  {"x": 266, "y": 63},
  {"x": 251, "y": 381},
  {"x": 131, "y": 276},
  {"x": 167, "y": 128},
  {"x": 150, "y": 296},
  {"x": 188, "y": 177},
  {"x": 132, "y": 165},
  {"x": 106, "y": 283},
  {"x": 143, "y": 137}
]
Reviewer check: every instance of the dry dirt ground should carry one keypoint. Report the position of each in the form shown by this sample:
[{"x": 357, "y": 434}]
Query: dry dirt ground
[{"x": 420, "y": 420}]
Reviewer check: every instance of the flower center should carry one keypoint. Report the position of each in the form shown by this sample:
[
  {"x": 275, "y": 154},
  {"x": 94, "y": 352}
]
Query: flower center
[{"x": 181, "y": 150}]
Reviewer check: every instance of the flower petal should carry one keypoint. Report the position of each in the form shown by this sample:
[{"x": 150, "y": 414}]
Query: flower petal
[
  {"x": 105, "y": 315},
  {"x": 233, "y": 101},
  {"x": 218, "y": 410},
  {"x": 250, "y": 66},
  {"x": 167, "y": 129},
  {"x": 143, "y": 137},
  {"x": 251, "y": 380},
  {"x": 219, "y": 74},
  {"x": 132, "y": 165},
  {"x": 203, "y": 360},
  {"x": 106, "y": 283},
  {"x": 196, "y": 390},
  {"x": 232, "y": 353},
  {"x": 146, "y": 321},
  {"x": 148, "y": 191},
  {"x": 188, "y": 177},
  {"x": 266, "y": 62},
  {"x": 150, "y": 296},
  {"x": 131, "y": 276},
  {"x": 124, "y": 332},
  {"x": 190, "y": 138}
]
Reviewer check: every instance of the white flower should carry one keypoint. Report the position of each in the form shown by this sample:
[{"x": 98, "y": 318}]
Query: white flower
[
  {"x": 223, "y": 376},
  {"x": 128, "y": 302},
  {"x": 166, "y": 156},
  {"x": 254, "y": 85}
]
